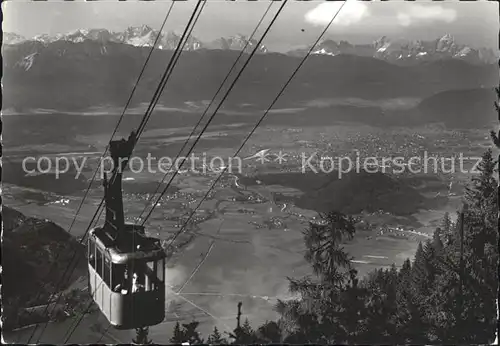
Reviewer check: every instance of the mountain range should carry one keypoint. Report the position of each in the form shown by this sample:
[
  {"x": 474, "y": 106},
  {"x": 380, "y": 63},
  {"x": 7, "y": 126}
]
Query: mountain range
[
  {"x": 68, "y": 76},
  {"x": 142, "y": 36},
  {"x": 75, "y": 74},
  {"x": 394, "y": 51},
  {"x": 410, "y": 52}
]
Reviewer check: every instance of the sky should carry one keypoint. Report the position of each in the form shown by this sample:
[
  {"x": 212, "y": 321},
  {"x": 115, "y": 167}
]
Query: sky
[{"x": 299, "y": 24}]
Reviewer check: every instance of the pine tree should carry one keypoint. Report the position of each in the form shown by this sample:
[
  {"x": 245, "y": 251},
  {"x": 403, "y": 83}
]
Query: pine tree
[
  {"x": 216, "y": 338},
  {"x": 481, "y": 251},
  {"x": 437, "y": 242},
  {"x": 270, "y": 332},
  {"x": 481, "y": 194},
  {"x": 446, "y": 222},
  {"x": 244, "y": 334},
  {"x": 404, "y": 297},
  {"x": 178, "y": 336},
  {"x": 446, "y": 228},
  {"x": 464, "y": 296},
  {"x": 190, "y": 333},
  {"x": 329, "y": 260},
  {"x": 379, "y": 323},
  {"x": 419, "y": 270},
  {"x": 413, "y": 286},
  {"x": 405, "y": 272},
  {"x": 319, "y": 314},
  {"x": 433, "y": 258},
  {"x": 481, "y": 220},
  {"x": 352, "y": 317}
]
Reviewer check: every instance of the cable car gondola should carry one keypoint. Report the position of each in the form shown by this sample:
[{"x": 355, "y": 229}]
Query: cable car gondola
[{"x": 126, "y": 267}]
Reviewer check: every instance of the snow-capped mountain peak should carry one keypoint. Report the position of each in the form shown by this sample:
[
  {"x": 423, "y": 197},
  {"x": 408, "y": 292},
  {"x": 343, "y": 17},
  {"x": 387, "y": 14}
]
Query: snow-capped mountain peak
[
  {"x": 77, "y": 36},
  {"x": 385, "y": 48},
  {"x": 323, "y": 51},
  {"x": 78, "y": 32},
  {"x": 236, "y": 42},
  {"x": 137, "y": 31},
  {"x": 447, "y": 39},
  {"x": 11, "y": 38},
  {"x": 405, "y": 51},
  {"x": 381, "y": 44},
  {"x": 446, "y": 44},
  {"x": 139, "y": 36}
]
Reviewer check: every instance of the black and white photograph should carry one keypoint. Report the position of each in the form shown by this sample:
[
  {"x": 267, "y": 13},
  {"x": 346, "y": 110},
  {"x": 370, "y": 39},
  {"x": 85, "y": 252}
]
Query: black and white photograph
[{"x": 250, "y": 172}]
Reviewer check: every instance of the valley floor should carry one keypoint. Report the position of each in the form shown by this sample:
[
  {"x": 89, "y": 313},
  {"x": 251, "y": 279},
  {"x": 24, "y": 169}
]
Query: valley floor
[{"x": 257, "y": 244}]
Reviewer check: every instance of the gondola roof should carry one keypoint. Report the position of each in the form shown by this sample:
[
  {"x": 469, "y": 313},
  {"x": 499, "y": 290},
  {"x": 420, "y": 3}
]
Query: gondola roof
[{"x": 131, "y": 244}]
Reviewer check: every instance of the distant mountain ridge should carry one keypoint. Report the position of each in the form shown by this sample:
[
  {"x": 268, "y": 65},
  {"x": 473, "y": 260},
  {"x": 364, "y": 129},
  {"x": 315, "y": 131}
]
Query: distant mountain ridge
[
  {"x": 408, "y": 52},
  {"x": 76, "y": 75},
  {"x": 459, "y": 108},
  {"x": 96, "y": 67},
  {"x": 384, "y": 48},
  {"x": 139, "y": 36}
]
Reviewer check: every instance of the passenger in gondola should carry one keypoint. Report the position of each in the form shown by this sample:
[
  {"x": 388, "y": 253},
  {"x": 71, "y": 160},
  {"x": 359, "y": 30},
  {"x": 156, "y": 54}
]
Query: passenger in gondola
[
  {"x": 122, "y": 287},
  {"x": 136, "y": 286}
]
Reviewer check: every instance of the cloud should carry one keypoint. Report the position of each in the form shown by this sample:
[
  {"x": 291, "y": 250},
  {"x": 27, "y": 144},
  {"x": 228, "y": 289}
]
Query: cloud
[
  {"x": 377, "y": 13},
  {"x": 352, "y": 12},
  {"x": 414, "y": 14}
]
